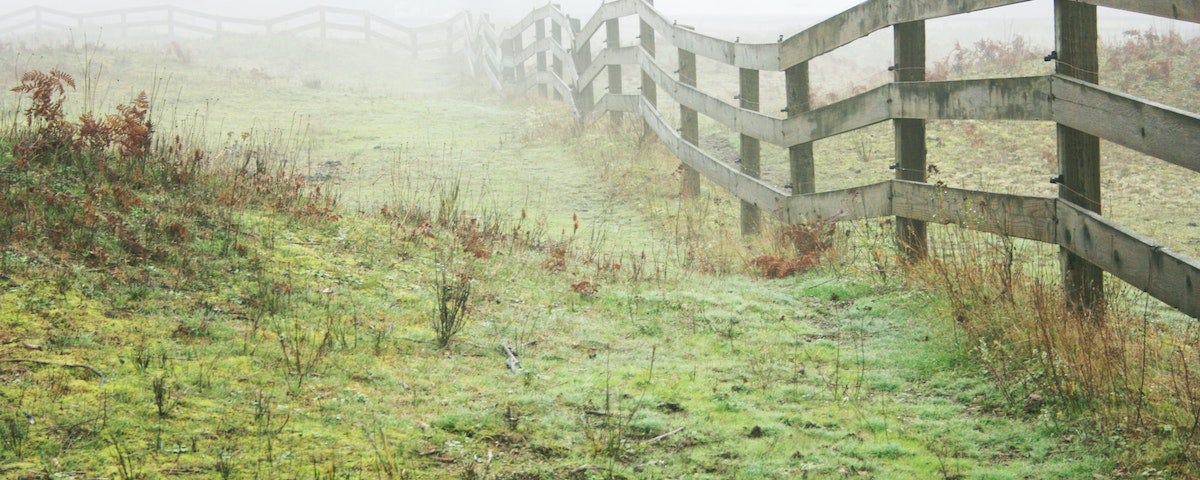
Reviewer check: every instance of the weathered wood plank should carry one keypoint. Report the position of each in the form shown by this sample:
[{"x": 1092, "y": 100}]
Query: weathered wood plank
[
  {"x": 851, "y": 114},
  {"x": 582, "y": 58},
  {"x": 607, "y": 57},
  {"x": 987, "y": 99},
  {"x": 545, "y": 78},
  {"x": 869, "y": 17},
  {"x": 541, "y": 14},
  {"x": 647, "y": 37},
  {"x": 1077, "y": 43},
  {"x": 1018, "y": 216},
  {"x": 743, "y": 186},
  {"x": 1168, "y": 276},
  {"x": 607, "y": 11},
  {"x": 743, "y": 120},
  {"x": 616, "y": 86},
  {"x": 610, "y": 103},
  {"x": 858, "y": 203},
  {"x": 909, "y": 51},
  {"x": 620, "y": 103},
  {"x": 741, "y": 55},
  {"x": 543, "y": 46},
  {"x": 1025, "y": 98},
  {"x": 1158, "y": 130},
  {"x": 750, "y": 147},
  {"x": 689, "y": 124},
  {"x": 1185, "y": 10},
  {"x": 801, "y": 167}
]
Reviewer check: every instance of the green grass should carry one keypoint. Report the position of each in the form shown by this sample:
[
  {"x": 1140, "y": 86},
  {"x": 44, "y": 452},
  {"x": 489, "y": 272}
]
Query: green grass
[{"x": 835, "y": 374}]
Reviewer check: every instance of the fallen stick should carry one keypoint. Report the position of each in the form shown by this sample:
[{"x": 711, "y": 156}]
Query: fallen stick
[
  {"x": 512, "y": 361},
  {"x": 89, "y": 368},
  {"x": 665, "y": 435}
]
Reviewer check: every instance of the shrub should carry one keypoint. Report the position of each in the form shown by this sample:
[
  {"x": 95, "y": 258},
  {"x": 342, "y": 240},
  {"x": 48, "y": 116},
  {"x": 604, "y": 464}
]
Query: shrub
[{"x": 453, "y": 292}]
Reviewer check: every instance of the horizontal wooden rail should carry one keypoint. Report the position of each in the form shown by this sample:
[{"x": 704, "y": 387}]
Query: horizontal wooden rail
[
  {"x": 550, "y": 12},
  {"x": 1157, "y": 130},
  {"x": 361, "y": 23},
  {"x": 606, "y": 58},
  {"x": 547, "y": 45},
  {"x": 1018, "y": 216},
  {"x": 1139, "y": 261},
  {"x": 858, "y": 203},
  {"x": 743, "y": 186},
  {"x": 607, "y": 11}
]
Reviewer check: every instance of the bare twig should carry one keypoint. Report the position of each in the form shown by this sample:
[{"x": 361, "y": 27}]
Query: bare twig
[
  {"x": 89, "y": 368},
  {"x": 664, "y": 436},
  {"x": 513, "y": 362}
]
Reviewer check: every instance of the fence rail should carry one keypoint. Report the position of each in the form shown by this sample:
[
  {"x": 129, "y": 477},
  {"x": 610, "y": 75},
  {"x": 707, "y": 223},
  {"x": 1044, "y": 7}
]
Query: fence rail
[
  {"x": 441, "y": 38},
  {"x": 1084, "y": 111}
]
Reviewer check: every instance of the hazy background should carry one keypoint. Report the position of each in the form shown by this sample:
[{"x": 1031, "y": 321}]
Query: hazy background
[{"x": 752, "y": 20}]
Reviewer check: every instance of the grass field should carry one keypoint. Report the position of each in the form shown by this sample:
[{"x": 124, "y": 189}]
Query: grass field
[{"x": 271, "y": 344}]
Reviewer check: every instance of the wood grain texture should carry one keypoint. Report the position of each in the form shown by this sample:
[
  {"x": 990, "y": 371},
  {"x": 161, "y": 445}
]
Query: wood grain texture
[
  {"x": 1168, "y": 276},
  {"x": 1018, "y": 216},
  {"x": 737, "y": 54},
  {"x": 1025, "y": 98},
  {"x": 869, "y": 17},
  {"x": 744, "y": 187},
  {"x": 607, "y": 11},
  {"x": 858, "y": 203},
  {"x": 606, "y": 58},
  {"x": 1158, "y": 130},
  {"x": 1185, "y": 10}
]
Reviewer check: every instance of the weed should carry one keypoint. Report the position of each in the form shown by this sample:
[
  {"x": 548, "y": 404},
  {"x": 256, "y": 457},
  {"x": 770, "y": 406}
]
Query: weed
[
  {"x": 1111, "y": 373},
  {"x": 163, "y": 396},
  {"x": 452, "y": 292},
  {"x": 303, "y": 348}
]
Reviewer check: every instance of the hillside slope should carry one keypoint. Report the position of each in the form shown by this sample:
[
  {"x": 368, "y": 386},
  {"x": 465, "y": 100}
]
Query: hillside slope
[{"x": 181, "y": 313}]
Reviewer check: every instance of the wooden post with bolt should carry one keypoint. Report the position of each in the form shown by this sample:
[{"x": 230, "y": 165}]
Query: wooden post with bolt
[
  {"x": 1078, "y": 152},
  {"x": 910, "y": 134}
]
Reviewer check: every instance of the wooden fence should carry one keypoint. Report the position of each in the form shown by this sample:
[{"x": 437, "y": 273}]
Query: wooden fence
[
  {"x": 443, "y": 38},
  {"x": 1084, "y": 112},
  {"x": 565, "y": 65}
]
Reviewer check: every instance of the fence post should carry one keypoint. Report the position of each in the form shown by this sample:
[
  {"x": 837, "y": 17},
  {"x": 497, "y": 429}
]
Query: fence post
[
  {"x": 613, "y": 42},
  {"x": 506, "y": 56},
  {"x": 649, "y": 89},
  {"x": 909, "y": 46},
  {"x": 518, "y": 64},
  {"x": 689, "y": 123},
  {"x": 1078, "y": 152},
  {"x": 170, "y": 21},
  {"x": 450, "y": 40},
  {"x": 751, "y": 148},
  {"x": 800, "y": 157},
  {"x": 539, "y": 35},
  {"x": 583, "y": 60},
  {"x": 557, "y": 34},
  {"x": 124, "y": 25}
]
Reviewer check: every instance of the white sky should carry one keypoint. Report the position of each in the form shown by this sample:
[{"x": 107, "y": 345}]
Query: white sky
[
  {"x": 505, "y": 7},
  {"x": 757, "y": 18}
]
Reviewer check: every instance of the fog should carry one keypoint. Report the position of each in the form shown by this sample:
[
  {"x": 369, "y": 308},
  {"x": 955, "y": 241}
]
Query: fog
[{"x": 754, "y": 20}]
